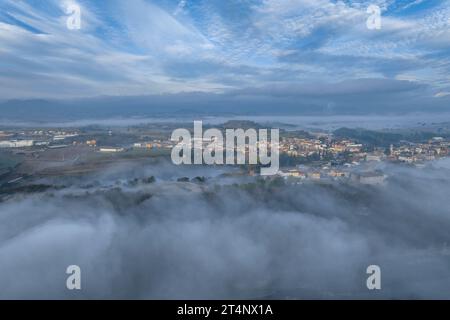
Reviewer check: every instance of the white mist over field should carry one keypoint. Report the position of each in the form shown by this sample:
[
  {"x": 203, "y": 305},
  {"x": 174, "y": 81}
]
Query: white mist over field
[
  {"x": 171, "y": 239},
  {"x": 322, "y": 122}
]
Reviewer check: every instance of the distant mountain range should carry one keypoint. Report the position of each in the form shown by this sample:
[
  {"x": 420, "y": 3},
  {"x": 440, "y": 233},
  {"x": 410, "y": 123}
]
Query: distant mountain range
[{"x": 203, "y": 104}]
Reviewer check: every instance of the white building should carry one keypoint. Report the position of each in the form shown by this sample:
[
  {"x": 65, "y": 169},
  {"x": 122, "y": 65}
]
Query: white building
[
  {"x": 64, "y": 136},
  {"x": 373, "y": 157},
  {"x": 369, "y": 178},
  {"x": 111, "y": 149},
  {"x": 16, "y": 143}
]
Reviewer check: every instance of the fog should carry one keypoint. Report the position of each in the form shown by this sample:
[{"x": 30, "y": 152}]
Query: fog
[
  {"x": 322, "y": 122},
  {"x": 169, "y": 239}
]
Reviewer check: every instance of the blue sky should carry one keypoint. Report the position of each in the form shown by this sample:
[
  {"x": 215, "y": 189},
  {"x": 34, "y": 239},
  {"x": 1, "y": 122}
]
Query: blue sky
[{"x": 144, "y": 47}]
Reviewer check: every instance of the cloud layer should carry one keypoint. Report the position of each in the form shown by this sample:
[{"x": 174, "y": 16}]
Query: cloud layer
[
  {"x": 185, "y": 240},
  {"x": 144, "y": 47}
]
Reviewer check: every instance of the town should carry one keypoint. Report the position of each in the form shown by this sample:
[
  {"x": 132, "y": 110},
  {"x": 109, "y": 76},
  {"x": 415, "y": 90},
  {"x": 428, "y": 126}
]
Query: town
[{"x": 344, "y": 154}]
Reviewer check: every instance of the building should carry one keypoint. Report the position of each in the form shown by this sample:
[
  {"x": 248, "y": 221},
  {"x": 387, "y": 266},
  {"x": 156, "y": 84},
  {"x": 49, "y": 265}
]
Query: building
[
  {"x": 373, "y": 157},
  {"x": 338, "y": 173},
  {"x": 293, "y": 173},
  {"x": 353, "y": 147},
  {"x": 41, "y": 143},
  {"x": 91, "y": 143},
  {"x": 143, "y": 145},
  {"x": 4, "y": 134},
  {"x": 139, "y": 145},
  {"x": 314, "y": 175},
  {"x": 109, "y": 149},
  {"x": 64, "y": 136},
  {"x": 369, "y": 178},
  {"x": 406, "y": 159},
  {"x": 58, "y": 146},
  {"x": 16, "y": 143}
]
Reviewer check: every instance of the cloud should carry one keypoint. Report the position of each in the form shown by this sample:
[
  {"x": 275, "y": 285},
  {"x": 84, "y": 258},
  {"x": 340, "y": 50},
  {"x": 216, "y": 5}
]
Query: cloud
[
  {"x": 187, "y": 241},
  {"x": 151, "y": 47},
  {"x": 366, "y": 96},
  {"x": 441, "y": 94}
]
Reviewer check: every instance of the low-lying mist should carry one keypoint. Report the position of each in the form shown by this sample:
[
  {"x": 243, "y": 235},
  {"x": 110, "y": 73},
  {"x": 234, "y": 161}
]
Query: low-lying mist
[{"x": 258, "y": 239}]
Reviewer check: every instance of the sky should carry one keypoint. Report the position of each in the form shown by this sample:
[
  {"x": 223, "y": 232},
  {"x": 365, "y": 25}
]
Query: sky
[{"x": 246, "y": 47}]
